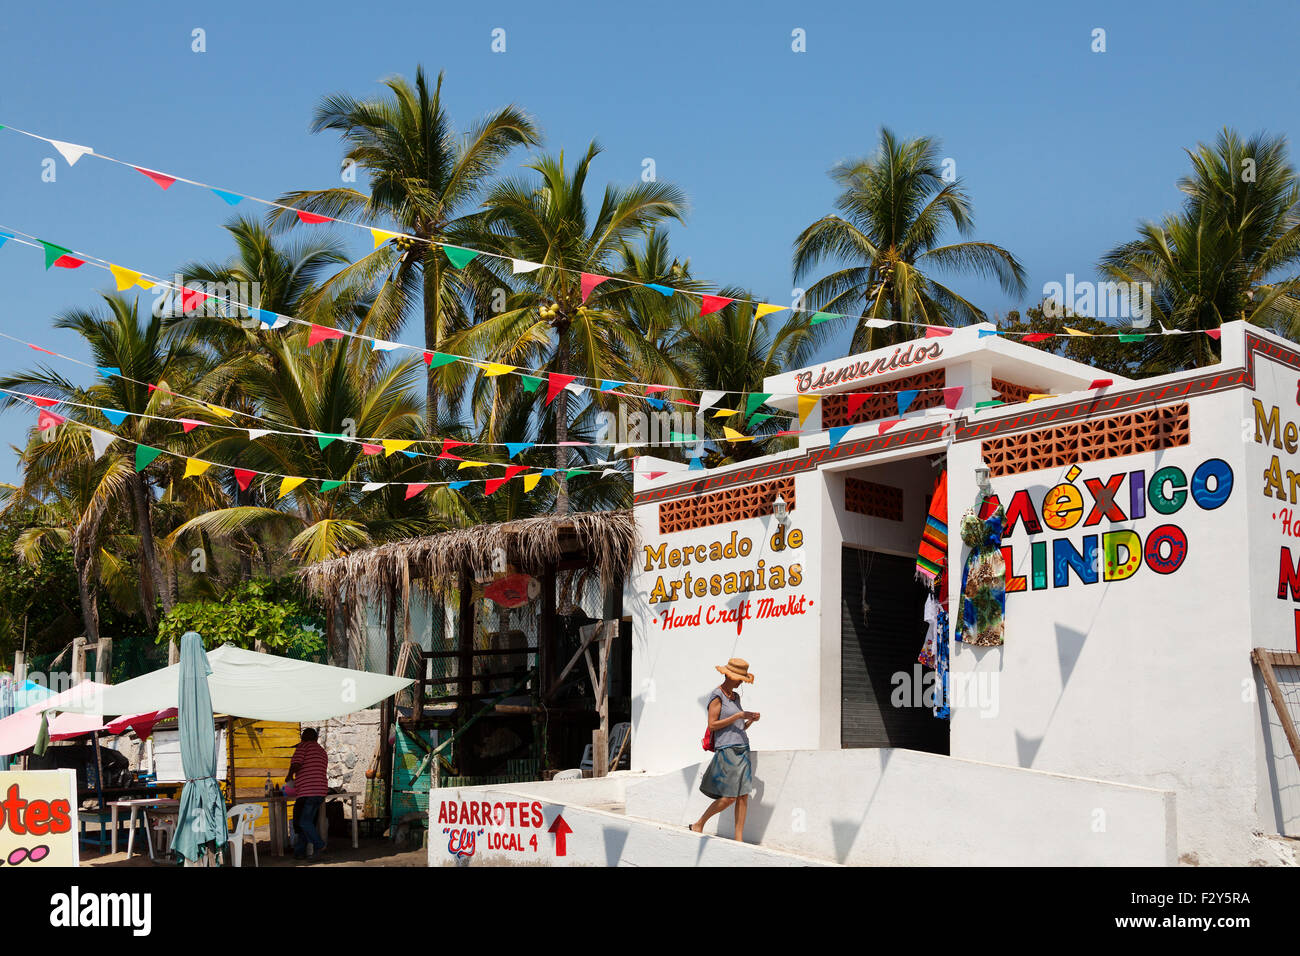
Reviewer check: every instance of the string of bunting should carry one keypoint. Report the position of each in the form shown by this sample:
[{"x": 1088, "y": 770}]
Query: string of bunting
[{"x": 460, "y": 257}]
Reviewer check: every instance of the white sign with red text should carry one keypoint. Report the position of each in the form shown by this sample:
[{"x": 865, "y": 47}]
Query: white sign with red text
[{"x": 495, "y": 827}]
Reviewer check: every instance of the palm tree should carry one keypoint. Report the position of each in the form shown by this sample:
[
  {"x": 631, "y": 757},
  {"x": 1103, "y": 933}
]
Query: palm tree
[
  {"x": 424, "y": 181},
  {"x": 1231, "y": 252},
  {"x": 547, "y": 324},
  {"x": 894, "y": 209}
]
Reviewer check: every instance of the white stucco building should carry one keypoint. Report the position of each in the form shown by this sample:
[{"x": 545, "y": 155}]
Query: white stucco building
[{"x": 1149, "y": 550}]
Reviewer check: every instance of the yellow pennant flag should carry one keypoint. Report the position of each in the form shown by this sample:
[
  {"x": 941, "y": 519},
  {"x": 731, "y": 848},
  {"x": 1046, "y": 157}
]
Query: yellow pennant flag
[
  {"x": 733, "y": 435},
  {"x": 125, "y": 277},
  {"x": 392, "y": 444},
  {"x": 219, "y": 411},
  {"x": 495, "y": 368},
  {"x": 766, "y": 308},
  {"x": 1076, "y": 331},
  {"x": 145, "y": 283},
  {"x": 806, "y": 404},
  {"x": 726, "y": 412},
  {"x": 473, "y": 464},
  {"x": 194, "y": 467},
  {"x": 288, "y": 484},
  {"x": 382, "y": 236},
  {"x": 1035, "y": 396},
  {"x": 530, "y": 481}
]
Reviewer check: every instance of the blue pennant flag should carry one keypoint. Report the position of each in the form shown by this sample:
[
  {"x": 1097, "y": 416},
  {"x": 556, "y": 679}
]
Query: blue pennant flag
[
  {"x": 231, "y": 199},
  {"x": 457, "y": 485},
  {"x": 607, "y": 386},
  {"x": 661, "y": 289},
  {"x": 114, "y": 416},
  {"x": 838, "y": 433},
  {"x": 515, "y": 447},
  {"x": 409, "y": 454},
  {"x": 547, "y": 472},
  {"x": 906, "y": 398},
  {"x": 985, "y": 333},
  {"x": 697, "y": 464},
  {"x": 656, "y": 402},
  {"x": 4, "y": 237},
  {"x": 108, "y": 371}
]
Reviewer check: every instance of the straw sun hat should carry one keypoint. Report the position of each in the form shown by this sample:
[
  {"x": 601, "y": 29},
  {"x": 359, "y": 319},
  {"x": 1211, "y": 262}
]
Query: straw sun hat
[{"x": 736, "y": 669}]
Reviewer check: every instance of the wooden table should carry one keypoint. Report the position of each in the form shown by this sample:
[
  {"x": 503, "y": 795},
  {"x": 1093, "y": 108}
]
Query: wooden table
[
  {"x": 138, "y": 805},
  {"x": 278, "y": 809}
]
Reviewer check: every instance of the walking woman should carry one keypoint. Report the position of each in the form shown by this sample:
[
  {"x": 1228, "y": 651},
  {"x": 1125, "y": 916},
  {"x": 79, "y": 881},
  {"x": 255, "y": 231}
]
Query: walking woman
[{"x": 728, "y": 779}]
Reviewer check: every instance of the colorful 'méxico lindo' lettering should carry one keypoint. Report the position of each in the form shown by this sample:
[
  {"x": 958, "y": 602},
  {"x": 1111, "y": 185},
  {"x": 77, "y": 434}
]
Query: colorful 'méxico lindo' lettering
[{"x": 1114, "y": 555}]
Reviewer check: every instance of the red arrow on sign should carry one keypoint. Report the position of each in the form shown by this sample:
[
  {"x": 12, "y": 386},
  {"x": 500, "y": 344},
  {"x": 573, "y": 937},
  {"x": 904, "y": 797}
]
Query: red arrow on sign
[{"x": 561, "y": 830}]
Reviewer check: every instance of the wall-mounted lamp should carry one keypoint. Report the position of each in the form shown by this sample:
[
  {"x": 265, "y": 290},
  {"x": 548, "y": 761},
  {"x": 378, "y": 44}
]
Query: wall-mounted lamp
[
  {"x": 982, "y": 479},
  {"x": 781, "y": 510}
]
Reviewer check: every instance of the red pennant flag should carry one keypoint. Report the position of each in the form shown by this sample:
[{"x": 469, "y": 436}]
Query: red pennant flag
[
  {"x": 321, "y": 334},
  {"x": 555, "y": 383},
  {"x": 654, "y": 389},
  {"x": 937, "y": 331},
  {"x": 162, "y": 179},
  {"x": 312, "y": 219},
  {"x": 39, "y": 349},
  {"x": 371, "y": 449},
  {"x": 1102, "y": 382},
  {"x": 712, "y": 303},
  {"x": 447, "y": 445},
  {"x": 656, "y": 474},
  {"x": 244, "y": 477},
  {"x": 590, "y": 282},
  {"x": 788, "y": 433},
  {"x": 415, "y": 488},
  {"x": 886, "y": 426},
  {"x": 42, "y": 402},
  {"x": 69, "y": 262},
  {"x": 47, "y": 419},
  {"x": 855, "y": 400},
  {"x": 492, "y": 484},
  {"x": 952, "y": 395},
  {"x": 191, "y": 299},
  {"x": 1212, "y": 333},
  {"x": 189, "y": 424},
  {"x": 1038, "y": 336}
]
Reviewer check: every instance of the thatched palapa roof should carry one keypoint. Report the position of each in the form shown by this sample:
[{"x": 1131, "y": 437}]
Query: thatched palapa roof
[{"x": 607, "y": 539}]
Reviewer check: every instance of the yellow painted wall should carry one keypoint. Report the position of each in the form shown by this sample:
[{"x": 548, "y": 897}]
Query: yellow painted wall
[{"x": 258, "y": 747}]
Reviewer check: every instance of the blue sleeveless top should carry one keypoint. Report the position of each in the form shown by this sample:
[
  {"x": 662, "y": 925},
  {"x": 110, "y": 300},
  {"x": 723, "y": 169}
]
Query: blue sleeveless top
[{"x": 733, "y": 736}]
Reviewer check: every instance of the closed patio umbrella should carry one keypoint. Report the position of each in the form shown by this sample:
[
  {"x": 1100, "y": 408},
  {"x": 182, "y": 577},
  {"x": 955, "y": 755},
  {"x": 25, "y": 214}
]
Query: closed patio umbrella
[{"x": 201, "y": 818}]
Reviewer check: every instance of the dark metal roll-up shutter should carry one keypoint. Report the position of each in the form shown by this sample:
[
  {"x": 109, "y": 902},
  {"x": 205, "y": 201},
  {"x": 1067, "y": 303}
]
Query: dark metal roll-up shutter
[{"x": 881, "y": 634}]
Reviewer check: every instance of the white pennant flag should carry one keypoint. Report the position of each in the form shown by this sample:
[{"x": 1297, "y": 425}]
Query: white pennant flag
[
  {"x": 280, "y": 322},
  {"x": 879, "y": 323},
  {"x": 624, "y": 447},
  {"x": 70, "y": 151},
  {"x": 523, "y": 265},
  {"x": 575, "y": 388},
  {"x": 100, "y": 441},
  {"x": 610, "y": 471},
  {"x": 255, "y": 433},
  {"x": 379, "y": 345},
  {"x": 373, "y": 485},
  {"x": 709, "y": 399}
]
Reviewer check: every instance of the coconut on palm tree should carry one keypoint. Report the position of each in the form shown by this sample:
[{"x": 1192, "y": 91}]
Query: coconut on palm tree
[
  {"x": 894, "y": 210},
  {"x": 425, "y": 181}
]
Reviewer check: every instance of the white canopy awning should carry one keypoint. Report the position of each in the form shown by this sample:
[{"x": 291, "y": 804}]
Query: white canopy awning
[{"x": 249, "y": 684}]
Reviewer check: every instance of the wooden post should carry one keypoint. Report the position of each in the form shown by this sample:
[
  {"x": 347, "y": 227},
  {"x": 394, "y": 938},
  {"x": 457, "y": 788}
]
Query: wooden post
[
  {"x": 20, "y": 667},
  {"x": 78, "y": 660},
  {"x": 465, "y": 643},
  {"x": 104, "y": 660}
]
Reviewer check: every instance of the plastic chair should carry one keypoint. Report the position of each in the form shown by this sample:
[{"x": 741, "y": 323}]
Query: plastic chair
[
  {"x": 568, "y": 774},
  {"x": 245, "y": 818}
]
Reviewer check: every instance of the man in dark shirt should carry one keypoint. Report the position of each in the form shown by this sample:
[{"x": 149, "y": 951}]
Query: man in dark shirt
[{"x": 308, "y": 770}]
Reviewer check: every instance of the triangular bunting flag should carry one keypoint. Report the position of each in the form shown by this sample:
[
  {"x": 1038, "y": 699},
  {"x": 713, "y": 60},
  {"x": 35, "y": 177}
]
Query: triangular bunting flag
[
  {"x": 952, "y": 395},
  {"x": 40, "y": 401},
  {"x": 521, "y": 266},
  {"x": 70, "y": 151},
  {"x": 726, "y": 412},
  {"x": 255, "y": 433},
  {"x": 1213, "y": 333},
  {"x": 325, "y": 440},
  {"x": 985, "y": 333},
  {"x": 288, "y": 484},
  {"x": 906, "y": 398},
  {"x": 188, "y": 425},
  {"x": 1038, "y": 337},
  {"x": 229, "y": 198},
  {"x": 697, "y": 464},
  {"x": 589, "y": 282},
  {"x": 194, "y": 467},
  {"x": 381, "y": 236},
  {"x": 244, "y": 478},
  {"x": 372, "y": 486},
  {"x": 837, "y": 433},
  {"x": 311, "y": 218},
  {"x": 820, "y": 317},
  {"x": 320, "y": 333},
  {"x": 495, "y": 368},
  {"x": 709, "y": 399},
  {"x": 1035, "y": 396},
  {"x": 937, "y": 331},
  {"x": 392, "y": 445},
  {"x": 468, "y": 464},
  {"x": 330, "y": 485},
  {"x": 109, "y": 371},
  {"x": 754, "y": 402},
  {"x": 99, "y": 441},
  {"x": 1101, "y": 382},
  {"x": 459, "y": 257},
  {"x": 530, "y": 382},
  {"x": 113, "y": 415},
  {"x": 555, "y": 383},
  {"x": 806, "y": 404},
  {"x": 438, "y": 359},
  {"x": 663, "y": 290},
  {"x": 191, "y": 299},
  {"x": 766, "y": 308},
  {"x": 1076, "y": 331},
  {"x": 713, "y": 303},
  {"x": 379, "y": 345},
  {"x": 219, "y": 411},
  {"x": 733, "y": 435},
  {"x": 854, "y": 401},
  {"x": 886, "y": 426},
  {"x": 144, "y": 455},
  {"x": 162, "y": 179},
  {"x": 530, "y": 482},
  {"x": 607, "y": 386},
  {"x": 126, "y": 278},
  {"x": 47, "y": 420},
  {"x": 515, "y": 447},
  {"x": 758, "y": 418},
  {"x": 369, "y": 449},
  {"x": 1132, "y": 336},
  {"x": 414, "y": 488},
  {"x": 58, "y": 256}
]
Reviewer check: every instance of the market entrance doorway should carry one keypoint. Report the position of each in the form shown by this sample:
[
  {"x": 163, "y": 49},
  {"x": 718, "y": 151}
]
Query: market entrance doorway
[{"x": 886, "y": 695}]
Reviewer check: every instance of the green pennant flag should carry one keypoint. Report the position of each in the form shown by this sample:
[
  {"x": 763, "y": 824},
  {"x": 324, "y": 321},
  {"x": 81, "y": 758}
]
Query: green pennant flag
[
  {"x": 531, "y": 382},
  {"x": 438, "y": 360},
  {"x": 820, "y": 317},
  {"x": 753, "y": 402},
  {"x": 53, "y": 253},
  {"x": 759, "y": 419},
  {"x": 329, "y": 485},
  {"x": 988, "y": 404},
  {"x": 459, "y": 257},
  {"x": 325, "y": 440},
  {"x": 1132, "y": 336},
  {"x": 574, "y": 471},
  {"x": 682, "y": 436},
  {"x": 144, "y": 455}
]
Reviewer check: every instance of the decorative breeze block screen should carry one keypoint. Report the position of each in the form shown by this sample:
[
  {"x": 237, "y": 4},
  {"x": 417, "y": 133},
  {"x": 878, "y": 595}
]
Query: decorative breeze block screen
[
  {"x": 1133, "y": 433},
  {"x": 835, "y": 407},
  {"x": 1011, "y": 393},
  {"x": 869, "y": 498},
  {"x": 719, "y": 507}
]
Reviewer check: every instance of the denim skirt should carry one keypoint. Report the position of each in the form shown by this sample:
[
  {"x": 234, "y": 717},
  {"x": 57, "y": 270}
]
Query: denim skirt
[{"x": 728, "y": 775}]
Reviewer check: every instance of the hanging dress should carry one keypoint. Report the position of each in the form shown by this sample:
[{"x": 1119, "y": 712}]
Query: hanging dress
[{"x": 983, "y": 580}]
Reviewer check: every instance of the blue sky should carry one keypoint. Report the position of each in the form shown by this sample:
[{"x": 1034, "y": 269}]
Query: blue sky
[{"x": 1063, "y": 150}]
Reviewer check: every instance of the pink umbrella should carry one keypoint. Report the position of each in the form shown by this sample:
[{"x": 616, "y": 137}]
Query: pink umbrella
[
  {"x": 142, "y": 724},
  {"x": 18, "y": 731}
]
